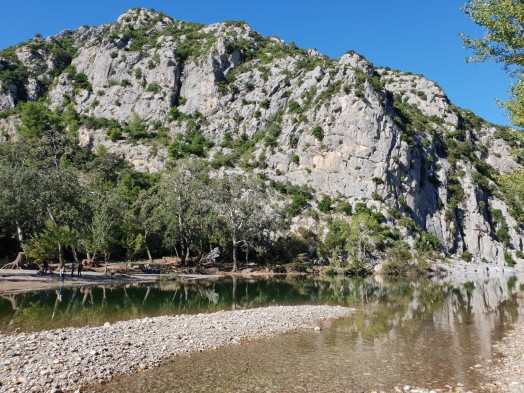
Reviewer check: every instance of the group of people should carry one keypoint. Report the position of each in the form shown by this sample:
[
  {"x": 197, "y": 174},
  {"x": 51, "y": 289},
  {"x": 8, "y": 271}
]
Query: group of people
[{"x": 79, "y": 270}]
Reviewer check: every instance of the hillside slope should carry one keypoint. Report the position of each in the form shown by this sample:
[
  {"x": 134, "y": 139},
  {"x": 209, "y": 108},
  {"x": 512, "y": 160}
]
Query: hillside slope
[{"x": 149, "y": 87}]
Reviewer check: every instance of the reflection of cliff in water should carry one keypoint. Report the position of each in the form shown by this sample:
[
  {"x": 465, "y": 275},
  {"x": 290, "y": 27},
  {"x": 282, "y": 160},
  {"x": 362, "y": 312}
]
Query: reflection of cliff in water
[
  {"x": 417, "y": 332},
  {"x": 384, "y": 303}
]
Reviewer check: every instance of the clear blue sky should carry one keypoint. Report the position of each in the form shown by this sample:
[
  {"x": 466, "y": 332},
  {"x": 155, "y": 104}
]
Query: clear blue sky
[{"x": 420, "y": 36}]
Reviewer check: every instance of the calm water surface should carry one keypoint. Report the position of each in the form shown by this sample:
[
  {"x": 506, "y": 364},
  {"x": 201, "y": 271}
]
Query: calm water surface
[{"x": 418, "y": 332}]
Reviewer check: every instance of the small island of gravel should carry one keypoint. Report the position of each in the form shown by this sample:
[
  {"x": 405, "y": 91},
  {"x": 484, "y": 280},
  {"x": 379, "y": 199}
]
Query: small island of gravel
[{"x": 67, "y": 359}]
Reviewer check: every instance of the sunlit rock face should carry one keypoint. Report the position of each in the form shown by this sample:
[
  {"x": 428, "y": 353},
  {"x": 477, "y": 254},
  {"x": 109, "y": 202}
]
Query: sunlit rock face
[{"x": 341, "y": 126}]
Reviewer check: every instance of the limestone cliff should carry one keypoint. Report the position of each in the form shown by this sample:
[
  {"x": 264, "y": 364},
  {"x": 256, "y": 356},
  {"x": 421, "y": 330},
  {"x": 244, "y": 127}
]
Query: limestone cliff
[{"x": 387, "y": 138}]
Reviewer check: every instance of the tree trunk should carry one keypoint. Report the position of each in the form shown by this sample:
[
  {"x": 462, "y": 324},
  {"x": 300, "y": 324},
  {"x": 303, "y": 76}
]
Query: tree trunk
[
  {"x": 149, "y": 257},
  {"x": 75, "y": 255},
  {"x": 18, "y": 263},
  {"x": 19, "y": 233},
  {"x": 61, "y": 259},
  {"x": 93, "y": 260},
  {"x": 187, "y": 253},
  {"x": 235, "y": 245},
  {"x": 182, "y": 254},
  {"x": 106, "y": 258}
]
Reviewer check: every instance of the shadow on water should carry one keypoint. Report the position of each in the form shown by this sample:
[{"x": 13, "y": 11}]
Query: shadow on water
[{"x": 419, "y": 332}]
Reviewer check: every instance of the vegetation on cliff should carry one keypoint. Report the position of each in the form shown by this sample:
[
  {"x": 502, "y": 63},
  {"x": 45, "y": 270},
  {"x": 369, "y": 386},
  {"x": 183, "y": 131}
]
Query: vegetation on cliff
[{"x": 153, "y": 137}]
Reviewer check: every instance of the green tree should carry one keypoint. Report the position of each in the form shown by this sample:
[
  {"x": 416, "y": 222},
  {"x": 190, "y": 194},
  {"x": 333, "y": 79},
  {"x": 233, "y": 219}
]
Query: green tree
[
  {"x": 512, "y": 186},
  {"x": 336, "y": 239},
  {"x": 50, "y": 243},
  {"x": 103, "y": 234},
  {"x": 242, "y": 206},
  {"x": 45, "y": 131},
  {"x": 503, "y": 42},
  {"x": 136, "y": 129},
  {"x": 34, "y": 190},
  {"x": 184, "y": 208},
  {"x": 366, "y": 235}
]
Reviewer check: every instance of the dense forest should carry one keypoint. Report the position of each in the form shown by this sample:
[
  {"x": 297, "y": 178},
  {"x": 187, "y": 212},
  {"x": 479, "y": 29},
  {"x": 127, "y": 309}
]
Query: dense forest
[{"x": 60, "y": 199}]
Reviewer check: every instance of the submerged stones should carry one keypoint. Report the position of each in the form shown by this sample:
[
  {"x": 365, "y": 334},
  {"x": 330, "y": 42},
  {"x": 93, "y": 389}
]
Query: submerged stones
[{"x": 67, "y": 359}]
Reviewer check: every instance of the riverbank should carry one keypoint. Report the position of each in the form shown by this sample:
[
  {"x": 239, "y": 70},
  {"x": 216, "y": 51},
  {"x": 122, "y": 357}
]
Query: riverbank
[
  {"x": 67, "y": 359},
  {"x": 507, "y": 369},
  {"x": 17, "y": 281},
  {"x": 20, "y": 281}
]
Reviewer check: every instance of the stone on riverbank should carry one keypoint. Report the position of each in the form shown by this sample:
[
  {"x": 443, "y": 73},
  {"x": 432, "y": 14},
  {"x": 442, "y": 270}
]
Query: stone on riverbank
[{"x": 70, "y": 358}]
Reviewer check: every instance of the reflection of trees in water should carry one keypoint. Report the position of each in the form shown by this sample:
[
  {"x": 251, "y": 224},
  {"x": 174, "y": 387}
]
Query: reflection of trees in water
[
  {"x": 17, "y": 303},
  {"x": 383, "y": 303}
]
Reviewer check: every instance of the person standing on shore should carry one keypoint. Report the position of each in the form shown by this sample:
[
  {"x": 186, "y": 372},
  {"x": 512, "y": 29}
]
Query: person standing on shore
[
  {"x": 80, "y": 267},
  {"x": 62, "y": 273},
  {"x": 72, "y": 268}
]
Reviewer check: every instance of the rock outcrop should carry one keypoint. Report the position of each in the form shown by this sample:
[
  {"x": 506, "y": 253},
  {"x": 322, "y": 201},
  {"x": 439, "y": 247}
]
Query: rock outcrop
[{"x": 386, "y": 138}]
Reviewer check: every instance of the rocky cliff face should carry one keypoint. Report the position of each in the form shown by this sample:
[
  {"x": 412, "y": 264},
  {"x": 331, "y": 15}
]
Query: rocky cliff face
[{"x": 342, "y": 126}]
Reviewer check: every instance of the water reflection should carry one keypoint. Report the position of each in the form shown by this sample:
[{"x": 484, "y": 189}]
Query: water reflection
[
  {"x": 421, "y": 332},
  {"x": 417, "y": 332},
  {"x": 385, "y": 303}
]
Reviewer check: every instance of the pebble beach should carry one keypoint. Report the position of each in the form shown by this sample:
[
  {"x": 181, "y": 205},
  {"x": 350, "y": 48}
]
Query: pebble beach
[{"x": 65, "y": 360}]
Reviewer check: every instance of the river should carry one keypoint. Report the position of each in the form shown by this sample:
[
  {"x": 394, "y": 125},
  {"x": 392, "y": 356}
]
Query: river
[{"x": 418, "y": 332}]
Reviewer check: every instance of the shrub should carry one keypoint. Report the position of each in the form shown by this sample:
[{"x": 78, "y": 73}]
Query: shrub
[
  {"x": 427, "y": 243},
  {"x": 346, "y": 208},
  {"x": 153, "y": 87},
  {"x": 293, "y": 107},
  {"x": 466, "y": 256},
  {"x": 293, "y": 141},
  {"x": 80, "y": 79},
  {"x": 192, "y": 142},
  {"x": 295, "y": 159},
  {"x": 175, "y": 114},
  {"x": 114, "y": 134},
  {"x": 318, "y": 133},
  {"x": 298, "y": 203},
  {"x": 325, "y": 204},
  {"x": 331, "y": 271},
  {"x": 265, "y": 104},
  {"x": 508, "y": 258},
  {"x": 357, "y": 268},
  {"x": 136, "y": 128},
  {"x": 395, "y": 267}
]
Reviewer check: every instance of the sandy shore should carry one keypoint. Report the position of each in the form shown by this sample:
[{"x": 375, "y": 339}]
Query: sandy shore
[
  {"x": 15, "y": 281},
  {"x": 18, "y": 281},
  {"x": 67, "y": 359}
]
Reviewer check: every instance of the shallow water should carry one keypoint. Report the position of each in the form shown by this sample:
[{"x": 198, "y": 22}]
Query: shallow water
[{"x": 417, "y": 332}]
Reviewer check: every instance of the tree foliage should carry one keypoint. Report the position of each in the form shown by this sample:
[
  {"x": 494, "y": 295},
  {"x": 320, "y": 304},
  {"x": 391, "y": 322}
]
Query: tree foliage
[
  {"x": 503, "y": 42},
  {"x": 512, "y": 185}
]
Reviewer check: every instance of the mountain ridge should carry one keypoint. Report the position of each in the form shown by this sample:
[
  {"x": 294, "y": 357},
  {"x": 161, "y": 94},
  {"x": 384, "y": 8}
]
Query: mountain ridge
[{"x": 155, "y": 90}]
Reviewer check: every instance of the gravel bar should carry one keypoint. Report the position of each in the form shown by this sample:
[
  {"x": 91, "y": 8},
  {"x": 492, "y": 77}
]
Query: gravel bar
[
  {"x": 507, "y": 370},
  {"x": 67, "y": 359}
]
